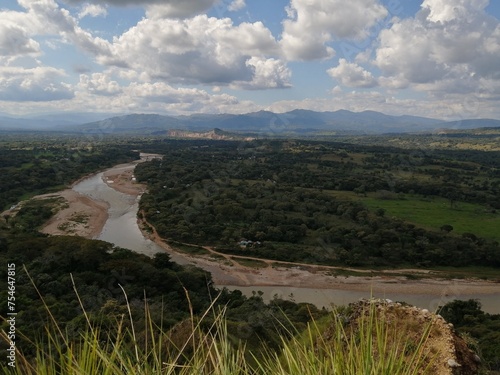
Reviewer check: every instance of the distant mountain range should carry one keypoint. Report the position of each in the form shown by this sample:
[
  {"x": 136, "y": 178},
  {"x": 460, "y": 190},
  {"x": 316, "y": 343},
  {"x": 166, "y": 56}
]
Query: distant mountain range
[
  {"x": 51, "y": 121},
  {"x": 296, "y": 122}
]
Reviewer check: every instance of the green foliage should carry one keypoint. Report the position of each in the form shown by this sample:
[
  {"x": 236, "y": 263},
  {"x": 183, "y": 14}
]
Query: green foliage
[
  {"x": 99, "y": 270},
  {"x": 31, "y": 216},
  {"x": 204, "y": 345},
  {"x": 38, "y": 166},
  {"x": 289, "y": 199},
  {"x": 101, "y": 273},
  {"x": 96, "y": 351},
  {"x": 469, "y": 319},
  {"x": 434, "y": 212}
]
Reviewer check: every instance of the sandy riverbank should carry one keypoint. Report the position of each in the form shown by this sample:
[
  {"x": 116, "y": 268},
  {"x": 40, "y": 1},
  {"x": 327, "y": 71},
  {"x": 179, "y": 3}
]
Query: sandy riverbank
[
  {"x": 82, "y": 216},
  {"x": 78, "y": 215},
  {"x": 228, "y": 271},
  {"x": 316, "y": 277},
  {"x": 121, "y": 178}
]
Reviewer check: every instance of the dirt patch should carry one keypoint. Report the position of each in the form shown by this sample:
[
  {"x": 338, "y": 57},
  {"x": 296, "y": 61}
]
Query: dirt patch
[
  {"x": 122, "y": 179},
  {"x": 77, "y": 215}
]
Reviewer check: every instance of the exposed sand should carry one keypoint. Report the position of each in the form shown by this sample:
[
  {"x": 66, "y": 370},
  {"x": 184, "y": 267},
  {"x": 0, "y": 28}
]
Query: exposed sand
[
  {"x": 319, "y": 278},
  {"x": 228, "y": 271},
  {"x": 121, "y": 178},
  {"x": 78, "y": 216}
]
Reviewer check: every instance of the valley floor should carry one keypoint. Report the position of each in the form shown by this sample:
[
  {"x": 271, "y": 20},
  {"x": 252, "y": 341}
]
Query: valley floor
[{"x": 232, "y": 270}]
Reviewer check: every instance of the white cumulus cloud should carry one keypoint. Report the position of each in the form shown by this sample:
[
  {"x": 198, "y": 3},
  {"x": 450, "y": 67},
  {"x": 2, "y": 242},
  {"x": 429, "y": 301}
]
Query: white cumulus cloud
[
  {"x": 93, "y": 10},
  {"x": 449, "y": 46},
  {"x": 15, "y": 41},
  {"x": 236, "y": 5},
  {"x": 38, "y": 84},
  {"x": 28, "y": 79},
  {"x": 314, "y": 23},
  {"x": 47, "y": 18},
  {"x": 99, "y": 84},
  {"x": 353, "y": 75},
  {"x": 267, "y": 74},
  {"x": 198, "y": 50},
  {"x": 446, "y": 10}
]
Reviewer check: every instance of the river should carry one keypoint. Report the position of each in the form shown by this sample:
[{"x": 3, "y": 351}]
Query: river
[
  {"x": 121, "y": 227},
  {"x": 122, "y": 230}
]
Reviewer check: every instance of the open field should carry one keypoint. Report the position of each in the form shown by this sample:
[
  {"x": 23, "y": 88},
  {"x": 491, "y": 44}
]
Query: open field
[{"x": 432, "y": 213}]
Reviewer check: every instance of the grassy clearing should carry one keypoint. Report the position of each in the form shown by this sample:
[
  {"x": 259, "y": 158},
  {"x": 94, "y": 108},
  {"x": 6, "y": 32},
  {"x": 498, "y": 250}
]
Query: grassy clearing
[
  {"x": 191, "y": 250},
  {"x": 252, "y": 263},
  {"x": 482, "y": 273},
  {"x": 434, "y": 212}
]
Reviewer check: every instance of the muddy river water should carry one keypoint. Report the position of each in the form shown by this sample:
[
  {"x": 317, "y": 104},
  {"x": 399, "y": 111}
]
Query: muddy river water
[{"x": 122, "y": 229}]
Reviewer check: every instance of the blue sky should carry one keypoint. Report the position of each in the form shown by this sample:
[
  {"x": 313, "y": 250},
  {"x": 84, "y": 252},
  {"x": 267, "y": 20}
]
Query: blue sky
[{"x": 434, "y": 58}]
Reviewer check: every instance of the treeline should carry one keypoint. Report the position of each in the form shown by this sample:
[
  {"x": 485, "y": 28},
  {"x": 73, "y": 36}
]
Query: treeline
[
  {"x": 39, "y": 167},
  {"x": 470, "y": 320},
  {"x": 466, "y": 175},
  {"x": 284, "y": 197}
]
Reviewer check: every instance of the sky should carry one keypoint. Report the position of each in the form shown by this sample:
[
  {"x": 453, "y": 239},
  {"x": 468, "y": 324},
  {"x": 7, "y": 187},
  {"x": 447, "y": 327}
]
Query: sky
[{"x": 431, "y": 58}]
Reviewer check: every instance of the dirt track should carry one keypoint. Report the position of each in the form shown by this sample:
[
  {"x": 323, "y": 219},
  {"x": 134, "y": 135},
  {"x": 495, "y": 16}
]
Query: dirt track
[{"x": 227, "y": 271}]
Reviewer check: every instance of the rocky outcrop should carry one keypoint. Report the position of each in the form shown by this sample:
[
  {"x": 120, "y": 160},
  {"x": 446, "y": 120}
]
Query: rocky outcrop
[
  {"x": 214, "y": 134},
  {"x": 415, "y": 331}
]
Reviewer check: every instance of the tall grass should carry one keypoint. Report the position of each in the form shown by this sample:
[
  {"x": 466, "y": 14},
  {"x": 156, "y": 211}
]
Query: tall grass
[
  {"x": 370, "y": 345},
  {"x": 206, "y": 350}
]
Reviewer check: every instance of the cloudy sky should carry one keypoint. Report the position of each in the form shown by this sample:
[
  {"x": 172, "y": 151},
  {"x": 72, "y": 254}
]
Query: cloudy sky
[{"x": 435, "y": 58}]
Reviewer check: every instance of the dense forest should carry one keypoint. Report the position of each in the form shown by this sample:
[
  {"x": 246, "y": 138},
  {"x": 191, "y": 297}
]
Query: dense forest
[
  {"x": 38, "y": 165},
  {"x": 303, "y": 201},
  {"x": 296, "y": 200}
]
